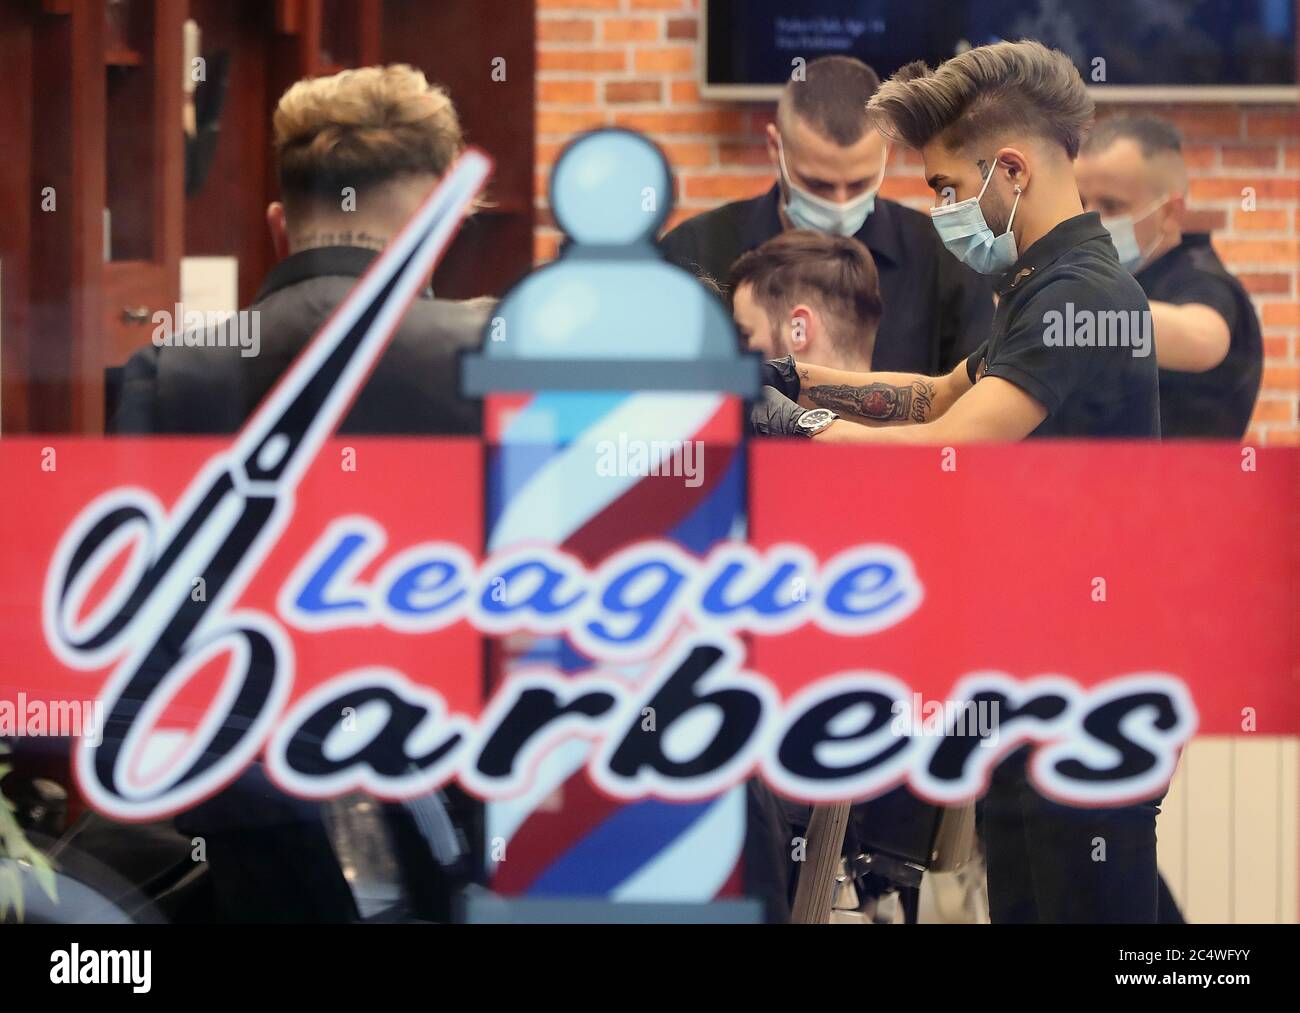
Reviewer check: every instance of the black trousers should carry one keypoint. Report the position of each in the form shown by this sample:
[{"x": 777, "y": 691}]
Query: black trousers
[{"x": 1053, "y": 863}]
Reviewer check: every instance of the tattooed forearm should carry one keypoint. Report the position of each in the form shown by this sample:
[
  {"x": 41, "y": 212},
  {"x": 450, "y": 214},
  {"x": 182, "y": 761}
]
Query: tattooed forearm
[
  {"x": 879, "y": 402},
  {"x": 922, "y": 400}
]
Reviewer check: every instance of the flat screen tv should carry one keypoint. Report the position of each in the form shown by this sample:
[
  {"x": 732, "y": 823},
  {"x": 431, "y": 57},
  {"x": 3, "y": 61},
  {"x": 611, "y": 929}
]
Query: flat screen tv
[{"x": 1152, "y": 50}]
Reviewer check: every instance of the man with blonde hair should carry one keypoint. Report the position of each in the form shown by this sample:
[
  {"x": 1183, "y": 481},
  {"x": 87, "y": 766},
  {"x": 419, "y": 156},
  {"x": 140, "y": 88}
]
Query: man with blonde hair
[{"x": 356, "y": 153}]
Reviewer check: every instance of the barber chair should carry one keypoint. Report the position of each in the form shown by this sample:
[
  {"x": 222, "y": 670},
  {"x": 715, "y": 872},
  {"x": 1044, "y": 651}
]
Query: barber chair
[{"x": 889, "y": 844}]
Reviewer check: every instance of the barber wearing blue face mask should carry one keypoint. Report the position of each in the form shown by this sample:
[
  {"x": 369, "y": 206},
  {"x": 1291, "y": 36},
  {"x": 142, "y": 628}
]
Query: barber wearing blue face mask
[
  {"x": 998, "y": 154},
  {"x": 1206, "y": 331},
  {"x": 965, "y": 231},
  {"x": 829, "y": 167},
  {"x": 805, "y": 210},
  {"x": 998, "y": 128}
]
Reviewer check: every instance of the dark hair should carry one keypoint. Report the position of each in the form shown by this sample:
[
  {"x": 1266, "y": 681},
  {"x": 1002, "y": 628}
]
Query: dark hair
[
  {"x": 835, "y": 274},
  {"x": 709, "y": 282},
  {"x": 1007, "y": 88},
  {"x": 831, "y": 98},
  {"x": 1152, "y": 134}
]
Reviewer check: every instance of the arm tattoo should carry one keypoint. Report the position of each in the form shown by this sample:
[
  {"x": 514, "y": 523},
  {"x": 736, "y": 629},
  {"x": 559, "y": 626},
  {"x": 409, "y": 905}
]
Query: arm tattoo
[{"x": 879, "y": 402}]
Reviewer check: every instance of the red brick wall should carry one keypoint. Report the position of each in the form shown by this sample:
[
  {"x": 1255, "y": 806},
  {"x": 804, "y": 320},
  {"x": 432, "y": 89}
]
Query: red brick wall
[{"x": 633, "y": 63}]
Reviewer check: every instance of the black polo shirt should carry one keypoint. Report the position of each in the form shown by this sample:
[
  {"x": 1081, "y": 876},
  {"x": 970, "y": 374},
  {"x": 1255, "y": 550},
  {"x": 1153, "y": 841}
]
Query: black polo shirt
[
  {"x": 1219, "y": 401},
  {"x": 1063, "y": 308},
  {"x": 936, "y": 311}
]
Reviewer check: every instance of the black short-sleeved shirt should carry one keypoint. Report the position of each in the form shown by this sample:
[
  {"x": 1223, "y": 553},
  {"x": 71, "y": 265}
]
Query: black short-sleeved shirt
[
  {"x": 1219, "y": 401},
  {"x": 1063, "y": 310},
  {"x": 936, "y": 311}
]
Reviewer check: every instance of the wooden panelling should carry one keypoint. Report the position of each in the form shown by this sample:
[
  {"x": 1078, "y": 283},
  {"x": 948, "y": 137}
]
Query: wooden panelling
[
  {"x": 64, "y": 358},
  {"x": 459, "y": 45},
  {"x": 1228, "y": 830},
  {"x": 133, "y": 292},
  {"x": 94, "y": 113},
  {"x": 16, "y": 194},
  {"x": 227, "y": 217}
]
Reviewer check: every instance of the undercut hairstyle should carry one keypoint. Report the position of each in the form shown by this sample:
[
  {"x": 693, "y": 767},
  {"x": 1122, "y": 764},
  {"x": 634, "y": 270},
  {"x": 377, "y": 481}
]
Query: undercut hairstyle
[
  {"x": 1008, "y": 89},
  {"x": 832, "y": 99},
  {"x": 833, "y": 274},
  {"x": 362, "y": 128},
  {"x": 1160, "y": 142},
  {"x": 1155, "y": 136}
]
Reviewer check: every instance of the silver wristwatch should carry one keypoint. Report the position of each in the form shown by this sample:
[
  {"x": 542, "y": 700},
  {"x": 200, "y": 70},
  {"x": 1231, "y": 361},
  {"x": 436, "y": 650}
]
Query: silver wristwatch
[{"x": 813, "y": 421}]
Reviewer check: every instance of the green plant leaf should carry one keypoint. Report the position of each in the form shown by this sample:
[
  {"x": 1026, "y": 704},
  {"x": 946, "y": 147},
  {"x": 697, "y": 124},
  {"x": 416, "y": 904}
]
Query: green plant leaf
[{"x": 17, "y": 854}]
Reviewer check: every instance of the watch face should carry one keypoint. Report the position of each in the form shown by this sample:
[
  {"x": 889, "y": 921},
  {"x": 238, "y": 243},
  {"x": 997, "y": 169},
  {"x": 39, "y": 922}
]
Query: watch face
[{"x": 816, "y": 419}]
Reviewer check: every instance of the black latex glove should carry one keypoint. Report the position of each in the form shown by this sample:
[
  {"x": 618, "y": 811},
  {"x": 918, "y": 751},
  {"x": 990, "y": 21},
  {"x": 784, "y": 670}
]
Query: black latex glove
[
  {"x": 774, "y": 414},
  {"x": 781, "y": 374}
]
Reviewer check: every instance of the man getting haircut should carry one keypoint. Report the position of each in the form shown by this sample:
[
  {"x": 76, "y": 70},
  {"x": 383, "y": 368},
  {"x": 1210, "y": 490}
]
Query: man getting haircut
[{"x": 811, "y": 295}]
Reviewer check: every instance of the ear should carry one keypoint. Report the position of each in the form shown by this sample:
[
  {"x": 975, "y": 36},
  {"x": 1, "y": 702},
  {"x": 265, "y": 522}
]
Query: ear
[
  {"x": 1012, "y": 163},
  {"x": 772, "y": 137},
  {"x": 803, "y": 324},
  {"x": 1174, "y": 213},
  {"x": 279, "y": 230}
]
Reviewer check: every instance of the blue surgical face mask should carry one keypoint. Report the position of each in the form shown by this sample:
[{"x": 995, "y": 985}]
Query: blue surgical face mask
[
  {"x": 967, "y": 236},
  {"x": 807, "y": 211},
  {"x": 1124, "y": 235}
]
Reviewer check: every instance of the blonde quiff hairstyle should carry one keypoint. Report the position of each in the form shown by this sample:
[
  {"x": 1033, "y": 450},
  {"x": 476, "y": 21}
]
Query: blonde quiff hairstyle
[
  {"x": 360, "y": 128},
  {"x": 986, "y": 94}
]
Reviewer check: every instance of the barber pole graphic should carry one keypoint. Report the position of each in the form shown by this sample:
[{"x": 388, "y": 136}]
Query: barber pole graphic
[{"x": 545, "y": 484}]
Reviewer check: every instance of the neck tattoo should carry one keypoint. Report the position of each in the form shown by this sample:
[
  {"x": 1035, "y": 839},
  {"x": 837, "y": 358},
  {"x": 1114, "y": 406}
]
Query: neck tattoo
[{"x": 314, "y": 240}]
